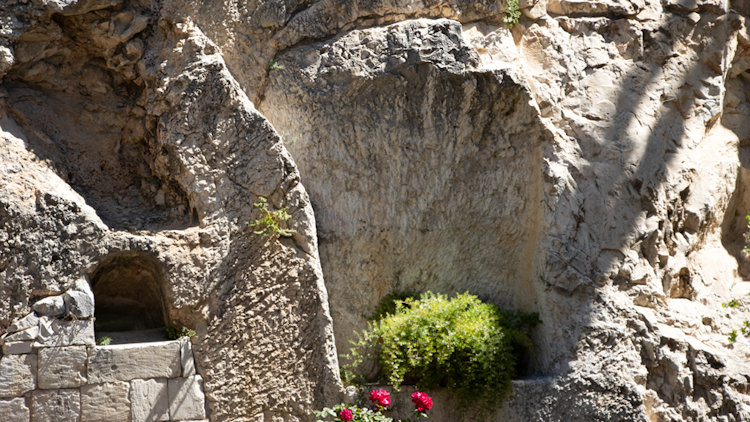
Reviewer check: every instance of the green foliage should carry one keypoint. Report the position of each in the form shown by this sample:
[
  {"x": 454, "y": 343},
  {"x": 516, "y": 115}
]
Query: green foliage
[
  {"x": 731, "y": 304},
  {"x": 732, "y": 336},
  {"x": 103, "y": 341},
  {"x": 268, "y": 223},
  {"x": 512, "y": 13},
  {"x": 173, "y": 332},
  {"x": 459, "y": 343},
  {"x": 389, "y": 302},
  {"x": 273, "y": 65},
  {"x": 361, "y": 414}
]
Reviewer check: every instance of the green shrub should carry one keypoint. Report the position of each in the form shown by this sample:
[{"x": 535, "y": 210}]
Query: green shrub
[
  {"x": 268, "y": 223},
  {"x": 174, "y": 332},
  {"x": 103, "y": 341},
  {"x": 459, "y": 343},
  {"x": 512, "y": 13}
]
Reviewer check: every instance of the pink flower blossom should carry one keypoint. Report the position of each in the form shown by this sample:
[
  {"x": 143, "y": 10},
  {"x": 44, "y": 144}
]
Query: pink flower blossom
[
  {"x": 381, "y": 397},
  {"x": 422, "y": 401},
  {"x": 346, "y": 415}
]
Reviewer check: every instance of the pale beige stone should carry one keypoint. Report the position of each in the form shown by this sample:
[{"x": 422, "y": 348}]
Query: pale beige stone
[
  {"x": 14, "y": 410},
  {"x": 55, "y": 332},
  {"x": 17, "y": 347},
  {"x": 149, "y": 400},
  {"x": 186, "y": 357},
  {"x": 105, "y": 402},
  {"x": 186, "y": 398},
  {"x": 56, "y": 405},
  {"x": 126, "y": 362},
  {"x": 62, "y": 367},
  {"x": 17, "y": 374},
  {"x": 28, "y": 321},
  {"x": 24, "y": 335}
]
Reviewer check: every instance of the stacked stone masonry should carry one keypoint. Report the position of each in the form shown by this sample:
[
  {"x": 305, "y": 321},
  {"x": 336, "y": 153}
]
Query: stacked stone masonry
[{"x": 51, "y": 370}]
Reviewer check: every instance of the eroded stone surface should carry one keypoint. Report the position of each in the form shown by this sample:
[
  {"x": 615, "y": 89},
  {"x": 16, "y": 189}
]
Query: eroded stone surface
[
  {"x": 186, "y": 399},
  {"x": 133, "y": 361},
  {"x": 17, "y": 374},
  {"x": 62, "y": 367},
  {"x": 56, "y": 405},
  {"x": 186, "y": 357},
  {"x": 15, "y": 410},
  {"x": 149, "y": 400},
  {"x": 57, "y": 332},
  {"x": 105, "y": 402}
]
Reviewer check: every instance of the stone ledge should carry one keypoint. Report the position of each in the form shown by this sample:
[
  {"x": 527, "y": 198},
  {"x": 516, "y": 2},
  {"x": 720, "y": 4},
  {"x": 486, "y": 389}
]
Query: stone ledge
[{"x": 127, "y": 362}]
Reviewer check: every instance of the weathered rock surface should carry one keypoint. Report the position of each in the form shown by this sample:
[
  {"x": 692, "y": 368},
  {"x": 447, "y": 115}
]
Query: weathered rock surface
[
  {"x": 590, "y": 165},
  {"x": 105, "y": 402},
  {"x": 111, "y": 159},
  {"x": 55, "y": 405},
  {"x": 150, "y": 399}
]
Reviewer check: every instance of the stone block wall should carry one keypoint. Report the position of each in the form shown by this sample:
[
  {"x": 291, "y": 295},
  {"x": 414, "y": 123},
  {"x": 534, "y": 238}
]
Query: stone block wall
[{"x": 51, "y": 370}]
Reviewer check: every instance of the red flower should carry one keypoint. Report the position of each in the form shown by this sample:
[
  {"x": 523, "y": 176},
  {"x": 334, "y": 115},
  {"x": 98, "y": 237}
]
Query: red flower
[
  {"x": 346, "y": 415},
  {"x": 381, "y": 397},
  {"x": 422, "y": 401}
]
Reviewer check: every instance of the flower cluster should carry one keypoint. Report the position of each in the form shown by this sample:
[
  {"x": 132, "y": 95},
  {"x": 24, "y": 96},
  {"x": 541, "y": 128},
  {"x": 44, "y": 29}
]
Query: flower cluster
[
  {"x": 346, "y": 415},
  {"x": 380, "y": 400},
  {"x": 380, "y": 397},
  {"x": 422, "y": 401}
]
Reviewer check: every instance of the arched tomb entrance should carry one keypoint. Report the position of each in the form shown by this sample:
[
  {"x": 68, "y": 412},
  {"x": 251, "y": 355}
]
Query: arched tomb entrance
[{"x": 128, "y": 295}]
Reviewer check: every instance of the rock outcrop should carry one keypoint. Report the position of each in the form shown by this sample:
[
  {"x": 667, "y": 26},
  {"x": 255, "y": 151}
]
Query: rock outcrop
[
  {"x": 590, "y": 164},
  {"x": 113, "y": 161}
]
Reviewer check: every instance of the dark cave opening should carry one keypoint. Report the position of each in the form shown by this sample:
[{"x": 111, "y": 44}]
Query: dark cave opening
[{"x": 130, "y": 305}]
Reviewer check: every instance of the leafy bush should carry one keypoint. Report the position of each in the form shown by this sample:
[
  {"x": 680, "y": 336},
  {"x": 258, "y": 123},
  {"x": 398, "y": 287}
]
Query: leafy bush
[
  {"x": 459, "y": 343},
  {"x": 268, "y": 223},
  {"x": 103, "y": 341},
  {"x": 512, "y": 13},
  {"x": 173, "y": 332}
]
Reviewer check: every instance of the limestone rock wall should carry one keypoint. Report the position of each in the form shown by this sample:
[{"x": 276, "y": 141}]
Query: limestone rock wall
[
  {"x": 110, "y": 153},
  {"x": 590, "y": 164}
]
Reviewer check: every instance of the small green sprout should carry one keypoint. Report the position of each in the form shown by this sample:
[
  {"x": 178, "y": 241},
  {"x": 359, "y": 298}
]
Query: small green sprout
[
  {"x": 103, "y": 341},
  {"x": 512, "y": 13},
  {"x": 173, "y": 332},
  {"x": 268, "y": 224},
  {"x": 273, "y": 65}
]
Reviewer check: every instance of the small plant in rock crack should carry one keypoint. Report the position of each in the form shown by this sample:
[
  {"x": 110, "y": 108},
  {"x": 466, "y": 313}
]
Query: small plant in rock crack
[
  {"x": 273, "y": 65},
  {"x": 269, "y": 222},
  {"x": 174, "y": 332},
  {"x": 512, "y": 13},
  {"x": 731, "y": 304},
  {"x": 103, "y": 341}
]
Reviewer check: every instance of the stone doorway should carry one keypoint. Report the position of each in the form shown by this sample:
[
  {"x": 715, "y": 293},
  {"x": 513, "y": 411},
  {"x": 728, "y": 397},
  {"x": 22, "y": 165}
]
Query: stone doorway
[{"x": 128, "y": 295}]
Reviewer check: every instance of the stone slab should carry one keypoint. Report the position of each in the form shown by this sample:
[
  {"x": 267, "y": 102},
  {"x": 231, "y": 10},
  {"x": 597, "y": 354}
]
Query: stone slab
[
  {"x": 56, "y": 405},
  {"x": 79, "y": 302},
  {"x": 17, "y": 347},
  {"x": 127, "y": 362},
  {"x": 14, "y": 410},
  {"x": 149, "y": 400},
  {"x": 62, "y": 367},
  {"x": 17, "y": 375},
  {"x": 186, "y": 357},
  {"x": 57, "y": 333},
  {"x": 27, "y": 321},
  {"x": 186, "y": 398},
  {"x": 52, "y": 306},
  {"x": 105, "y": 402},
  {"x": 24, "y": 335}
]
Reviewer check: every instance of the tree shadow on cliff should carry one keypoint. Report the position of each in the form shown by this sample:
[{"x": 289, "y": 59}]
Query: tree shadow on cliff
[{"x": 629, "y": 198}]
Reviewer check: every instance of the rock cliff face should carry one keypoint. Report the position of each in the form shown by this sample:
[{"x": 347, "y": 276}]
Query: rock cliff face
[{"x": 590, "y": 164}]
